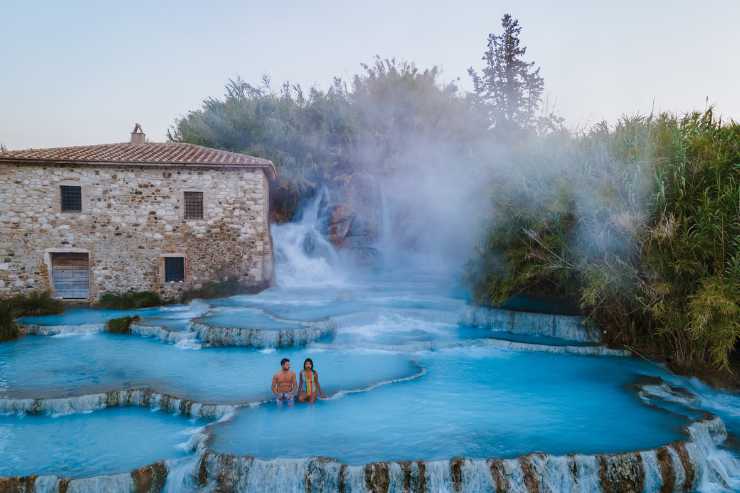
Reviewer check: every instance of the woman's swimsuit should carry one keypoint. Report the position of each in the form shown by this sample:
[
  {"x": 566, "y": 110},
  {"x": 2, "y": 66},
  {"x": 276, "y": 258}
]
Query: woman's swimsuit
[{"x": 308, "y": 385}]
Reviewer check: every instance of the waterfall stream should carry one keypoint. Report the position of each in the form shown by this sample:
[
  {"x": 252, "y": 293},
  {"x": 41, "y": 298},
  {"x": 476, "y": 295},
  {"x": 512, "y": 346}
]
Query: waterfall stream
[{"x": 304, "y": 257}]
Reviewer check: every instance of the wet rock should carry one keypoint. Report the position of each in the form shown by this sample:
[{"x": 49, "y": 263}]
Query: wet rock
[
  {"x": 499, "y": 476},
  {"x": 421, "y": 482},
  {"x": 203, "y": 470},
  {"x": 226, "y": 474},
  {"x": 354, "y": 218},
  {"x": 323, "y": 474},
  {"x": 414, "y": 476},
  {"x": 667, "y": 474},
  {"x": 621, "y": 473},
  {"x": 688, "y": 466},
  {"x": 149, "y": 479},
  {"x": 144, "y": 397},
  {"x": 260, "y": 338},
  {"x": 530, "y": 475},
  {"x": 573, "y": 467},
  {"x": 17, "y": 484},
  {"x": 377, "y": 478},
  {"x": 340, "y": 222},
  {"x": 343, "y": 476},
  {"x": 456, "y": 474}
]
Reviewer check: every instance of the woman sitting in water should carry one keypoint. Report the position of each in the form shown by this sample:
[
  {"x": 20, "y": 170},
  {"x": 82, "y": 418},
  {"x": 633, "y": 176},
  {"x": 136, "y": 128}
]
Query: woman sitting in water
[{"x": 308, "y": 386}]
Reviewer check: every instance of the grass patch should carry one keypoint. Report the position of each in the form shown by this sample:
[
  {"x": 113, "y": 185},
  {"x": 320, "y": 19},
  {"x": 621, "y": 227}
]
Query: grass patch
[
  {"x": 36, "y": 303},
  {"x": 130, "y": 300},
  {"x": 121, "y": 325}
]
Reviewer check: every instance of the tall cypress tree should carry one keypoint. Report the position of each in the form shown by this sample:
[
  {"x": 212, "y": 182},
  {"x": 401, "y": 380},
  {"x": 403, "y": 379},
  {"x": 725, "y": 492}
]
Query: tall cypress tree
[{"x": 509, "y": 88}]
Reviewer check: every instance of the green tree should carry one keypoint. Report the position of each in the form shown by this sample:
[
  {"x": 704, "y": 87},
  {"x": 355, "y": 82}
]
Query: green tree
[
  {"x": 376, "y": 123},
  {"x": 509, "y": 88}
]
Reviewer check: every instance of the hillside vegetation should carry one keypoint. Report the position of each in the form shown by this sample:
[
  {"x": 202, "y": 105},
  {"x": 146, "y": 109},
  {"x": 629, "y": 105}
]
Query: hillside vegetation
[{"x": 640, "y": 224}]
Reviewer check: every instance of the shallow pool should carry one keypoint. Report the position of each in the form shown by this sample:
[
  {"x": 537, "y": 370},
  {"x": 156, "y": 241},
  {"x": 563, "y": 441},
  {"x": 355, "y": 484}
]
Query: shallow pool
[
  {"x": 175, "y": 317},
  {"x": 505, "y": 404},
  {"x": 104, "y": 442},
  {"x": 74, "y": 365},
  {"x": 406, "y": 376}
]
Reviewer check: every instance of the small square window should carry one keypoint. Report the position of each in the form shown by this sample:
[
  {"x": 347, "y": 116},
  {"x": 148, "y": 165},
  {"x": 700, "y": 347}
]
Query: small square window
[
  {"x": 71, "y": 198},
  {"x": 193, "y": 205},
  {"x": 174, "y": 269}
]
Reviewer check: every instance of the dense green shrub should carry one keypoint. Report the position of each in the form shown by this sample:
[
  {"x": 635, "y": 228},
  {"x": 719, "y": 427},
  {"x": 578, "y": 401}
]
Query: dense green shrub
[
  {"x": 129, "y": 300},
  {"x": 641, "y": 223},
  {"x": 323, "y": 137},
  {"x": 35, "y": 303},
  {"x": 8, "y": 327},
  {"x": 121, "y": 325}
]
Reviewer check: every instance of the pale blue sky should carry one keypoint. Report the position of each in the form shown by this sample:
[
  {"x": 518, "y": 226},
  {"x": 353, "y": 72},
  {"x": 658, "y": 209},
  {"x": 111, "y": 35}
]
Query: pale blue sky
[{"x": 78, "y": 72}]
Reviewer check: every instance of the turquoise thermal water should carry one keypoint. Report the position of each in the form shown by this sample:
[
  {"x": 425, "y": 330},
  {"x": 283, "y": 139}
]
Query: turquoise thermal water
[
  {"x": 81, "y": 445},
  {"x": 247, "y": 318},
  {"x": 175, "y": 317},
  {"x": 446, "y": 392},
  {"x": 472, "y": 402},
  {"x": 62, "y": 366}
]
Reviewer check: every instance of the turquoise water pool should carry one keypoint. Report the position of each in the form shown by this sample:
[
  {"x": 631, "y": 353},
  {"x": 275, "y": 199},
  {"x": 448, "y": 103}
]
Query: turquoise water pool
[
  {"x": 407, "y": 378},
  {"x": 75, "y": 365},
  {"x": 81, "y": 445},
  {"x": 505, "y": 404}
]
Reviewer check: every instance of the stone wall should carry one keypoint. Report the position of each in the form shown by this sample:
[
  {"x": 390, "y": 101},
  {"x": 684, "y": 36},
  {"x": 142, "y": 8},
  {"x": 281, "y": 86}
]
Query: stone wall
[{"x": 132, "y": 216}]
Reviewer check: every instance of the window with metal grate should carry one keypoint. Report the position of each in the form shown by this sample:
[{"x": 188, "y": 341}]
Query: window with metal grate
[
  {"x": 71, "y": 198},
  {"x": 174, "y": 269},
  {"x": 193, "y": 205}
]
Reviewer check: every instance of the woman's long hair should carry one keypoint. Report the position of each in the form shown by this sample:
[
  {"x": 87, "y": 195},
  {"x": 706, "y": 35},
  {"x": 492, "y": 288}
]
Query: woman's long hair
[{"x": 308, "y": 360}]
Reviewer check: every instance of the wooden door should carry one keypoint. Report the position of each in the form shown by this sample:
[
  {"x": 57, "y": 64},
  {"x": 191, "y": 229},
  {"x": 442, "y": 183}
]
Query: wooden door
[{"x": 70, "y": 273}]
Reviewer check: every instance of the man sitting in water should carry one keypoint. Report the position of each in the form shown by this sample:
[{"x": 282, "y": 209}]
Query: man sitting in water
[{"x": 284, "y": 383}]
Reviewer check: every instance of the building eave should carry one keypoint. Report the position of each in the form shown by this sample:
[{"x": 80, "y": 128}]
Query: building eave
[{"x": 268, "y": 168}]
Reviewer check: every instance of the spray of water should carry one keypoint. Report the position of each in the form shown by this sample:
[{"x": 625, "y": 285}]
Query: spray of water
[{"x": 303, "y": 256}]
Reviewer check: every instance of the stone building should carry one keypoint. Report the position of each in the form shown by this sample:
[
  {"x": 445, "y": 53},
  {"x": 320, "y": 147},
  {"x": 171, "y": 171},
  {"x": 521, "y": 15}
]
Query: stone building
[{"x": 142, "y": 216}]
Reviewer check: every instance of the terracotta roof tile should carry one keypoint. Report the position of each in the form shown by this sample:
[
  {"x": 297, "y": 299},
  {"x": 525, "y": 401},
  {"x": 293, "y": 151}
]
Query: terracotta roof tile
[{"x": 150, "y": 153}]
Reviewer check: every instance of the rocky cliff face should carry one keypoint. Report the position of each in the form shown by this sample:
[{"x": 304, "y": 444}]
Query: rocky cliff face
[{"x": 354, "y": 218}]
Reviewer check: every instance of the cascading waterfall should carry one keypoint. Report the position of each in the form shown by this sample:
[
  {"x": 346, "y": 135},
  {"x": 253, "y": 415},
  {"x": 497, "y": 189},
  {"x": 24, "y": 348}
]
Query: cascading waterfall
[
  {"x": 697, "y": 464},
  {"x": 303, "y": 256}
]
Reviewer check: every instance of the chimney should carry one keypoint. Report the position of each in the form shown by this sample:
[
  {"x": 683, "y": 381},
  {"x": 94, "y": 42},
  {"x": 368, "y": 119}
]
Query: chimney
[{"x": 138, "y": 136}]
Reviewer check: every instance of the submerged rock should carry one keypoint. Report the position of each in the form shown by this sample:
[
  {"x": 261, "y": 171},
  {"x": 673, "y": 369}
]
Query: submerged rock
[{"x": 149, "y": 479}]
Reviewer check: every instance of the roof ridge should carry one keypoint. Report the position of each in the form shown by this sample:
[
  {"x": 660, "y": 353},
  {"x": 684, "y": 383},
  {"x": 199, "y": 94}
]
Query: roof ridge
[{"x": 162, "y": 153}]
